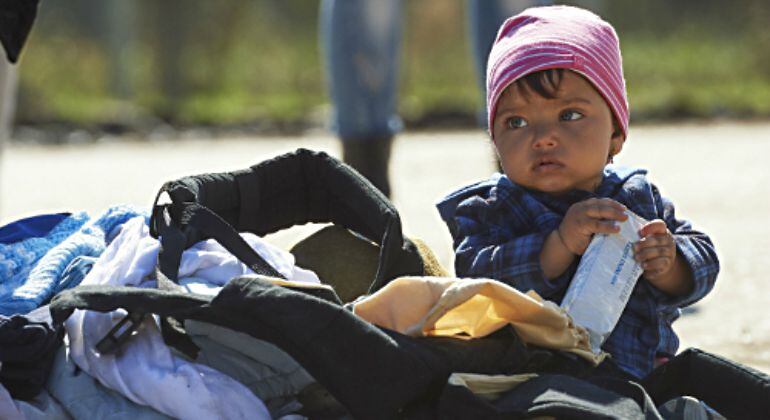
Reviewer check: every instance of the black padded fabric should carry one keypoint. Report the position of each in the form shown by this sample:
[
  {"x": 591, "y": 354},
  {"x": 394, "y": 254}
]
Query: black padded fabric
[
  {"x": 292, "y": 189},
  {"x": 734, "y": 390},
  {"x": 377, "y": 373},
  {"x": 553, "y": 396},
  {"x": 374, "y": 373}
]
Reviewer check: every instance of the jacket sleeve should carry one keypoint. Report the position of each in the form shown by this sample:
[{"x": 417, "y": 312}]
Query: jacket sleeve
[
  {"x": 499, "y": 251},
  {"x": 697, "y": 250}
]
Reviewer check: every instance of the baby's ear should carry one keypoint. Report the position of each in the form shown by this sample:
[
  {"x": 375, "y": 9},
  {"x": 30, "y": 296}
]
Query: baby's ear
[{"x": 616, "y": 141}]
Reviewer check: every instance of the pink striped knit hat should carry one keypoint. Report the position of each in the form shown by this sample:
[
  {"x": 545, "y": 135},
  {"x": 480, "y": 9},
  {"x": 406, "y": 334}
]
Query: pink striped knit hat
[{"x": 563, "y": 37}]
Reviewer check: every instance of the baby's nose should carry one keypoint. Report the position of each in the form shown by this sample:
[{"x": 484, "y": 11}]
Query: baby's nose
[{"x": 545, "y": 136}]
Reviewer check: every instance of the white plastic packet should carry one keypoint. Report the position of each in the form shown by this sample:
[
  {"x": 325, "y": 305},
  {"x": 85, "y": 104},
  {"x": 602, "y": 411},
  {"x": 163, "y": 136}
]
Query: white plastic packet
[{"x": 604, "y": 280}]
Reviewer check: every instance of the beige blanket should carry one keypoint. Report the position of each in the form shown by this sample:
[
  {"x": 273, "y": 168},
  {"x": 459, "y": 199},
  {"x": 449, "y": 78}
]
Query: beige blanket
[{"x": 472, "y": 308}]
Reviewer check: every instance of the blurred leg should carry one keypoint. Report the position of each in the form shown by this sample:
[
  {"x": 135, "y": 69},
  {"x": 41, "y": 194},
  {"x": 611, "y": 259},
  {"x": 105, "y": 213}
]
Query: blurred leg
[
  {"x": 119, "y": 27},
  {"x": 485, "y": 18},
  {"x": 7, "y": 102},
  {"x": 173, "y": 35},
  {"x": 7, "y": 98},
  {"x": 361, "y": 41}
]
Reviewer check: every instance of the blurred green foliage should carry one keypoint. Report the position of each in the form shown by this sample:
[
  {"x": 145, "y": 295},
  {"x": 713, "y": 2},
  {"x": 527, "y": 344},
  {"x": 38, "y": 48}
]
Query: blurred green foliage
[{"x": 238, "y": 61}]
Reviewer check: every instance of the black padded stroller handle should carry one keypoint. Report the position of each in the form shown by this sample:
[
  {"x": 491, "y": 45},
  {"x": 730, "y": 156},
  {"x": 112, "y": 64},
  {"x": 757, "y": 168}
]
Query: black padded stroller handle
[{"x": 300, "y": 187}]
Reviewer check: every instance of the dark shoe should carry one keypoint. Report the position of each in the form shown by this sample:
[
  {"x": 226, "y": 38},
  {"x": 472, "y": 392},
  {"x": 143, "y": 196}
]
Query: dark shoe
[{"x": 370, "y": 157}]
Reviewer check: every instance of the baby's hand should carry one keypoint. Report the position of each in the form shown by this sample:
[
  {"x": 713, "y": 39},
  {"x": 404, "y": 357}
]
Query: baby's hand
[
  {"x": 656, "y": 251},
  {"x": 584, "y": 219}
]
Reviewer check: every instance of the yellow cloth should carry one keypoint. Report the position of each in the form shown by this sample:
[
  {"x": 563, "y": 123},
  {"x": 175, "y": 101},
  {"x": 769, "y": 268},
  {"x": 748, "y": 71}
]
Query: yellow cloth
[{"x": 472, "y": 308}]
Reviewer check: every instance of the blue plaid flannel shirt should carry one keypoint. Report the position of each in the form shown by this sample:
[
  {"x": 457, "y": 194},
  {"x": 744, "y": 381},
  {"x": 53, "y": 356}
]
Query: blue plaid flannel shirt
[{"x": 499, "y": 228}]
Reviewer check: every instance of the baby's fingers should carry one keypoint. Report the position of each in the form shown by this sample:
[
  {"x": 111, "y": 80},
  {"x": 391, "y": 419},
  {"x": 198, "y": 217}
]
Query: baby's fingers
[
  {"x": 644, "y": 254},
  {"x": 654, "y": 227},
  {"x": 603, "y": 226},
  {"x": 664, "y": 240},
  {"x": 655, "y": 246},
  {"x": 605, "y": 208},
  {"x": 656, "y": 266}
]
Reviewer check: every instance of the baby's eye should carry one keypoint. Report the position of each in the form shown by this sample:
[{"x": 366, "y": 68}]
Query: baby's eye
[
  {"x": 571, "y": 116},
  {"x": 515, "y": 122}
]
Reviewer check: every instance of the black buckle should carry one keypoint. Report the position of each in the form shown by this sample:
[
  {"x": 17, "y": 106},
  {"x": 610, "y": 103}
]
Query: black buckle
[{"x": 120, "y": 333}]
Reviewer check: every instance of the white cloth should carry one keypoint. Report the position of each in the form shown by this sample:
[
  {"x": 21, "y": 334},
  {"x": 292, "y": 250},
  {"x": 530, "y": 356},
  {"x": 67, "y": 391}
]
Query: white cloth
[
  {"x": 145, "y": 370},
  {"x": 43, "y": 406}
]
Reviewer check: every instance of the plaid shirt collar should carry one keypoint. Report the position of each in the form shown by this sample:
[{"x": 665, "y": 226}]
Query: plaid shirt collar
[{"x": 614, "y": 178}]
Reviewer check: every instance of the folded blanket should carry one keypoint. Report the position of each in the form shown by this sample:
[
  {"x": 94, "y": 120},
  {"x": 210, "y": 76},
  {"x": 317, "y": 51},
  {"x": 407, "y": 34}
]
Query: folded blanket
[
  {"x": 18, "y": 259},
  {"x": 39, "y": 265}
]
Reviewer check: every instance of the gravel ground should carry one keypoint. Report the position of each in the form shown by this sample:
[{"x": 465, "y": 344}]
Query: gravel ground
[{"x": 716, "y": 174}]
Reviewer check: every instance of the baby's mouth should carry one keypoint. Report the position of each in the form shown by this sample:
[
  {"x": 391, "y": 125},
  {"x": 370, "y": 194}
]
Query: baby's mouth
[{"x": 546, "y": 164}]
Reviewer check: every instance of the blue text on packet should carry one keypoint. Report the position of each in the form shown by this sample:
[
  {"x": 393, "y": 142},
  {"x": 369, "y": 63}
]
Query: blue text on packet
[{"x": 622, "y": 262}]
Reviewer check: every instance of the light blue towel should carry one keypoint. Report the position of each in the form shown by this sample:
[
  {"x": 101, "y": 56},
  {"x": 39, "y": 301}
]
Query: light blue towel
[
  {"x": 26, "y": 292},
  {"x": 17, "y": 259}
]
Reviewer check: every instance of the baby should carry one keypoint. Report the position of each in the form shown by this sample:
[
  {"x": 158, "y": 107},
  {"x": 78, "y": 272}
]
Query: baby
[{"x": 558, "y": 114}]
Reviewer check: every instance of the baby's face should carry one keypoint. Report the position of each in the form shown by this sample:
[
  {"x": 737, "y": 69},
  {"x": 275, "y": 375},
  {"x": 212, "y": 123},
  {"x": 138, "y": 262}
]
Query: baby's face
[{"x": 555, "y": 145}]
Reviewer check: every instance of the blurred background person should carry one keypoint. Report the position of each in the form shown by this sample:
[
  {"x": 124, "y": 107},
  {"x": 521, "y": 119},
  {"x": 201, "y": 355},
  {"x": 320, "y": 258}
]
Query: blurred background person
[
  {"x": 16, "y": 19},
  {"x": 361, "y": 46},
  {"x": 7, "y": 100}
]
